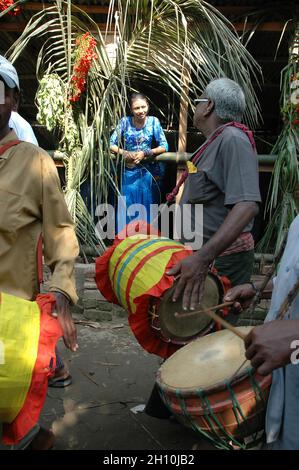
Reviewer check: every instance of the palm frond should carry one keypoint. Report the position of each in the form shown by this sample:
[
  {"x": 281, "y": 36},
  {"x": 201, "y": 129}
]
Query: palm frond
[
  {"x": 281, "y": 204},
  {"x": 156, "y": 41}
]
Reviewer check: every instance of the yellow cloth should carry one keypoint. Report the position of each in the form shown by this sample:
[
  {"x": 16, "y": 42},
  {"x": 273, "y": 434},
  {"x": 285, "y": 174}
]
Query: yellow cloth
[
  {"x": 19, "y": 336},
  {"x": 191, "y": 167},
  {"x": 32, "y": 202},
  {"x": 147, "y": 275}
]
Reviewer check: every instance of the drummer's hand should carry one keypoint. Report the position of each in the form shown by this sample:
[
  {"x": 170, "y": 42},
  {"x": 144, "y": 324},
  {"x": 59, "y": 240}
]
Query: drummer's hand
[
  {"x": 242, "y": 294},
  {"x": 62, "y": 309},
  {"x": 191, "y": 272},
  {"x": 273, "y": 345}
]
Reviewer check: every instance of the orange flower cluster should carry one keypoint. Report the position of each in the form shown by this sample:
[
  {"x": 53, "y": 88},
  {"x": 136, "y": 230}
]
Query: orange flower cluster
[
  {"x": 296, "y": 116},
  {"x": 7, "y": 3},
  {"x": 295, "y": 79},
  {"x": 84, "y": 56}
]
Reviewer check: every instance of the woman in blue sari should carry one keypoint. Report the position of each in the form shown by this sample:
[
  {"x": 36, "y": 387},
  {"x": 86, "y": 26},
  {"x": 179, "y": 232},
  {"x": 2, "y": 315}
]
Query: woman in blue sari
[{"x": 142, "y": 176}]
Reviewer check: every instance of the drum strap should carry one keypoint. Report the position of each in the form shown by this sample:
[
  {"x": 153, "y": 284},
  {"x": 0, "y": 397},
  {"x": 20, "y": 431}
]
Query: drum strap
[{"x": 8, "y": 145}]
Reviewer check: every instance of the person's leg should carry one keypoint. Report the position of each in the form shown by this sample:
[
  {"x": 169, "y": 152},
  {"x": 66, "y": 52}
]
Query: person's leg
[
  {"x": 37, "y": 438},
  {"x": 43, "y": 440},
  {"x": 62, "y": 377},
  {"x": 238, "y": 267},
  {"x": 155, "y": 407}
]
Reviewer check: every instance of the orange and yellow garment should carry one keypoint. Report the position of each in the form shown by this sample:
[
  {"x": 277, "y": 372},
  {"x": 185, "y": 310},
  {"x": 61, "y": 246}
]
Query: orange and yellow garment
[
  {"x": 132, "y": 272},
  {"x": 28, "y": 336}
]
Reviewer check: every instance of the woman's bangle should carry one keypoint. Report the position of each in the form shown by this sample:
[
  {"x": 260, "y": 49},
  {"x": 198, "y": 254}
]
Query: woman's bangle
[{"x": 148, "y": 153}]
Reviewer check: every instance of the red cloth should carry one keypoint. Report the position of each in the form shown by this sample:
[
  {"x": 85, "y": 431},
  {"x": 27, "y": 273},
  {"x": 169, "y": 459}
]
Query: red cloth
[
  {"x": 7, "y": 146},
  {"x": 171, "y": 196},
  {"x": 50, "y": 332},
  {"x": 244, "y": 242}
]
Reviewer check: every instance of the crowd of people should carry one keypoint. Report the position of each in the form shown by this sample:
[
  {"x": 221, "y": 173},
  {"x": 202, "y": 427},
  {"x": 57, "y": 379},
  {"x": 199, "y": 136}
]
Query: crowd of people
[{"x": 223, "y": 178}]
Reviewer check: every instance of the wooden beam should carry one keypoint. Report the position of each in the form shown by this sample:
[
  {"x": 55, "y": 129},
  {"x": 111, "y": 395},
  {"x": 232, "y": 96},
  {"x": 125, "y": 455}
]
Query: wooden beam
[
  {"x": 235, "y": 10},
  {"x": 18, "y": 27},
  {"x": 183, "y": 119},
  {"x": 272, "y": 26},
  {"x": 228, "y": 9},
  {"x": 87, "y": 8}
]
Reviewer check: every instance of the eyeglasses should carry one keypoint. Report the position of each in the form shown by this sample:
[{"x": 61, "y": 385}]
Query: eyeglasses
[{"x": 201, "y": 100}]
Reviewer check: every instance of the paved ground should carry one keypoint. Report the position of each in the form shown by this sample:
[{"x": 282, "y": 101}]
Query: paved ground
[{"x": 111, "y": 374}]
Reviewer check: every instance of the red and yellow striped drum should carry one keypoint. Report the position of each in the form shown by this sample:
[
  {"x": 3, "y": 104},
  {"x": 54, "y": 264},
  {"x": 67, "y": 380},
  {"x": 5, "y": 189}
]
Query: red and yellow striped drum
[
  {"x": 208, "y": 387},
  {"x": 132, "y": 273},
  {"x": 28, "y": 336}
]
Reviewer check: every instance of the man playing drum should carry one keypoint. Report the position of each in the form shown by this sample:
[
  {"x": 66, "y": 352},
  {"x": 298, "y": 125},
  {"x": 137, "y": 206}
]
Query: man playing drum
[
  {"x": 31, "y": 204},
  {"x": 274, "y": 346},
  {"x": 224, "y": 180}
]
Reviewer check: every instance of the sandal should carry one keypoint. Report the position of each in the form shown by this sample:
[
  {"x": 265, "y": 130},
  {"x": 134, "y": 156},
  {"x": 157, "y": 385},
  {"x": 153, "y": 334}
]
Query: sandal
[
  {"x": 60, "y": 382},
  {"x": 44, "y": 440}
]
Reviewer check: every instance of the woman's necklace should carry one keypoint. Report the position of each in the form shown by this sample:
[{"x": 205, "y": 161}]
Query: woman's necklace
[
  {"x": 139, "y": 138},
  {"x": 139, "y": 124}
]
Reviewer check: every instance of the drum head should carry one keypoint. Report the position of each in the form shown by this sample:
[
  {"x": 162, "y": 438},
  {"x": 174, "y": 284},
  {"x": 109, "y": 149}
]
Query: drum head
[
  {"x": 206, "y": 363},
  {"x": 177, "y": 328}
]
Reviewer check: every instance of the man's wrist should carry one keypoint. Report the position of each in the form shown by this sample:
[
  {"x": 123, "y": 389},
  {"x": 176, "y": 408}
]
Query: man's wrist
[
  {"x": 62, "y": 294},
  {"x": 204, "y": 256},
  {"x": 254, "y": 287}
]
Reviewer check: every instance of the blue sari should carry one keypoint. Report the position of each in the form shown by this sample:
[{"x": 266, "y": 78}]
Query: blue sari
[{"x": 141, "y": 184}]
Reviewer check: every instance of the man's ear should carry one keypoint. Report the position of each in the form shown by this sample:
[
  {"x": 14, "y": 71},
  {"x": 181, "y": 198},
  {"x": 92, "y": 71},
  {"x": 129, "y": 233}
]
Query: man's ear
[
  {"x": 16, "y": 100},
  {"x": 209, "y": 108}
]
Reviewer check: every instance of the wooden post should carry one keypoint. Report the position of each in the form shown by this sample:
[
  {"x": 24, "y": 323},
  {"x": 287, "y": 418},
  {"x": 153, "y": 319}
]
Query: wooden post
[{"x": 183, "y": 123}]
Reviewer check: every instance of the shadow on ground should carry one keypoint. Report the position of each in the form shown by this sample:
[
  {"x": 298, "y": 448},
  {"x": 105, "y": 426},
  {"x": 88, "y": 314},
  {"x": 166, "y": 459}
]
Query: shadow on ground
[{"x": 111, "y": 375}]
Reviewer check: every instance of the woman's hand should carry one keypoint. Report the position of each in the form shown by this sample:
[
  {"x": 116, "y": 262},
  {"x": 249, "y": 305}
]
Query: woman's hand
[
  {"x": 129, "y": 157},
  {"x": 138, "y": 156}
]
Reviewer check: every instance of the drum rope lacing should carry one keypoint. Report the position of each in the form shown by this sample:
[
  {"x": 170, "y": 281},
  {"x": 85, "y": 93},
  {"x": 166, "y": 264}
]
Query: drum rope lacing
[
  {"x": 211, "y": 418},
  {"x": 228, "y": 440}
]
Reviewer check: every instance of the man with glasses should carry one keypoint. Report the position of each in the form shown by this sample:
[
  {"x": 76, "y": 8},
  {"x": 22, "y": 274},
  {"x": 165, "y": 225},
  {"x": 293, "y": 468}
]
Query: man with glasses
[{"x": 224, "y": 180}]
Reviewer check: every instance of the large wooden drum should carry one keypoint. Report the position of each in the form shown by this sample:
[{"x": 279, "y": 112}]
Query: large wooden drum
[
  {"x": 206, "y": 389},
  {"x": 132, "y": 273}
]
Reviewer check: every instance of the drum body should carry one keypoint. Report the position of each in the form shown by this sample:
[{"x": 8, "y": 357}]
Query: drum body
[
  {"x": 25, "y": 371},
  {"x": 200, "y": 386},
  {"x": 132, "y": 273}
]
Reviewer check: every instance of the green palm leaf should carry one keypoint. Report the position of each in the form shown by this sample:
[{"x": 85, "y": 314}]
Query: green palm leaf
[{"x": 161, "y": 42}]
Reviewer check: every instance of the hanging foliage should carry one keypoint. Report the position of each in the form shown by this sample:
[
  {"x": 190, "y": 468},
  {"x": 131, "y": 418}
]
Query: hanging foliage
[
  {"x": 281, "y": 204},
  {"x": 4, "y": 4},
  {"x": 155, "y": 42},
  {"x": 84, "y": 55}
]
